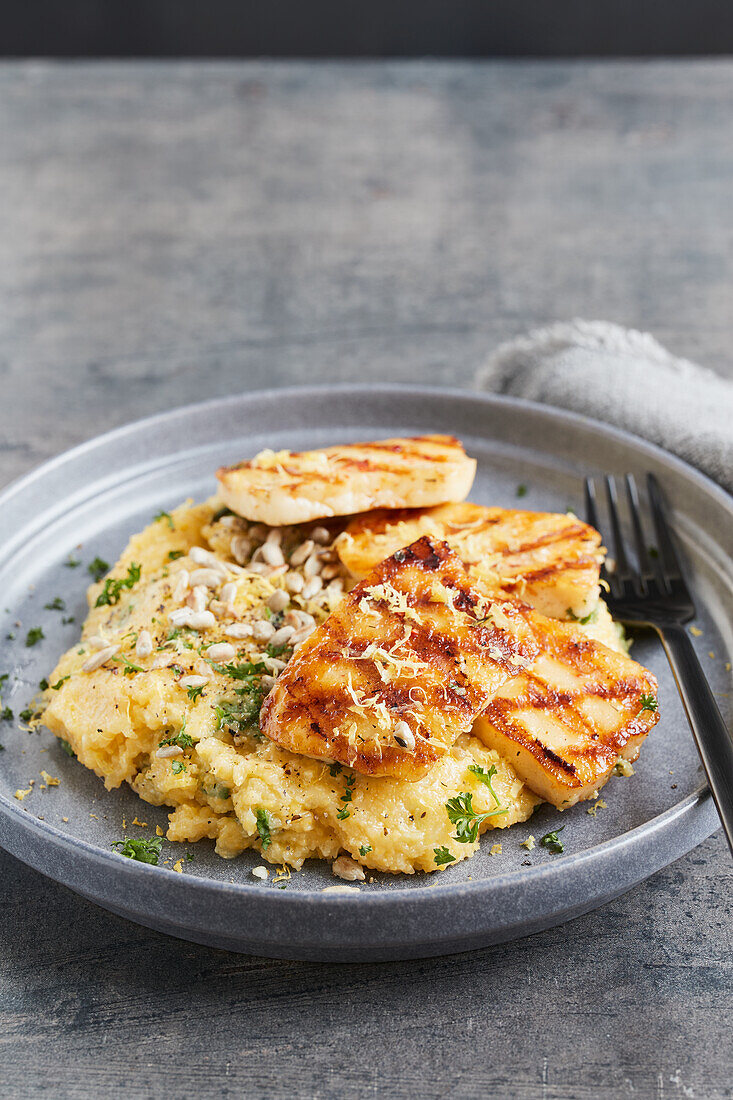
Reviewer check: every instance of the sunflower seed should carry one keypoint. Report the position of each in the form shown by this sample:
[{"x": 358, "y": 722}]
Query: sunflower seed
[
  {"x": 168, "y": 750},
  {"x": 229, "y": 593},
  {"x": 312, "y": 566},
  {"x": 241, "y": 549},
  {"x": 311, "y": 588},
  {"x": 281, "y": 636},
  {"x": 321, "y": 535},
  {"x": 209, "y": 578},
  {"x": 278, "y": 601},
  {"x": 193, "y": 681},
  {"x": 93, "y": 663},
  {"x": 198, "y": 598},
  {"x": 301, "y": 552},
  {"x": 262, "y": 630},
  {"x": 348, "y": 869},
  {"x": 197, "y": 620},
  {"x": 222, "y": 651},
  {"x": 180, "y": 588},
  {"x": 239, "y": 630}
]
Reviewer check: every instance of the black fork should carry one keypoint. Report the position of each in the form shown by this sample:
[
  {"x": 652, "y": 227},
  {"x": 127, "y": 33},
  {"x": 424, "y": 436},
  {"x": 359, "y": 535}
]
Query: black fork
[{"x": 654, "y": 593}]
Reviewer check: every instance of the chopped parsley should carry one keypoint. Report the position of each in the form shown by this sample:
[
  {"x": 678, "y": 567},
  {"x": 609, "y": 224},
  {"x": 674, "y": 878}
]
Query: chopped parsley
[
  {"x": 589, "y": 618},
  {"x": 346, "y": 797},
  {"x": 112, "y": 590},
  {"x": 167, "y": 517},
  {"x": 98, "y": 568},
  {"x": 6, "y": 715},
  {"x": 178, "y": 767},
  {"x": 648, "y": 702},
  {"x": 43, "y": 684},
  {"x": 59, "y": 683},
  {"x": 443, "y": 856},
  {"x": 174, "y": 555},
  {"x": 144, "y": 851},
  {"x": 66, "y": 747},
  {"x": 128, "y": 667},
  {"x": 67, "y": 620},
  {"x": 486, "y": 777},
  {"x": 195, "y": 692},
  {"x": 34, "y": 635},
  {"x": 552, "y": 842},
  {"x": 466, "y": 819},
  {"x": 219, "y": 791},
  {"x": 56, "y": 604},
  {"x": 521, "y": 490},
  {"x": 364, "y": 849},
  {"x": 72, "y": 563},
  {"x": 182, "y": 739},
  {"x": 29, "y": 714},
  {"x": 335, "y": 769},
  {"x": 263, "y": 827}
]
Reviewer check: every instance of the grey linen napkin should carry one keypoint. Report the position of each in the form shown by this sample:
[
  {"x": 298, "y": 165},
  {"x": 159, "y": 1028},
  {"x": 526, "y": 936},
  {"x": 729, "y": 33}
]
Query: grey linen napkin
[{"x": 624, "y": 378}]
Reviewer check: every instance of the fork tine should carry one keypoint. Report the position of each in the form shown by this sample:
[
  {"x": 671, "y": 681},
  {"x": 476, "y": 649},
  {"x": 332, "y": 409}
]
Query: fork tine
[
  {"x": 591, "y": 508},
  {"x": 642, "y": 554},
  {"x": 669, "y": 559},
  {"x": 591, "y": 516},
  {"x": 623, "y": 569}
]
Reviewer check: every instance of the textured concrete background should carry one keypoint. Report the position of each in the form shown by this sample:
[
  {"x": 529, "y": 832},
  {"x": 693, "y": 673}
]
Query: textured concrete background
[{"x": 174, "y": 232}]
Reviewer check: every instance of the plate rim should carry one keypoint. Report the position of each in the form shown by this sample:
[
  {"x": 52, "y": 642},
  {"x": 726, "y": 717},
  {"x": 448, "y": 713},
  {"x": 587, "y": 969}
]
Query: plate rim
[{"x": 661, "y": 825}]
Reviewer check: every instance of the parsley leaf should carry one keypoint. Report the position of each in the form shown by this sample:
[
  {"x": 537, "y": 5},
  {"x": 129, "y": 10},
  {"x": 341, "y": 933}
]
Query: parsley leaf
[
  {"x": 166, "y": 516},
  {"x": 648, "y": 702},
  {"x": 263, "y": 827},
  {"x": 194, "y": 693},
  {"x": 178, "y": 767},
  {"x": 67, "y": 747},
  {"x": 34, "y": 635},
  {"x": 144, "y": 851},
  {"x": 56, "y": 604},
  {"x": 112, "y": 590},
  {"x": 174, "y": 555},
  {"x": 72, "y": 563},
  {"x": 6, "y": 715},
  {"x": 182, "y": 739},
  {"x": 589, "y": 618},
  {"x": 486, "y": 777},
  {"x": 443, "y": 856},
  {"x": 59, "y": 683},
  {"x": 466, "y": 819},
  {"x": 347, "y": 796},
  {"x": 98, "y": 568},
  {"x": 521, "y": 490},
  {"x": 335, "y": 768},
  {"x": 552, "y": 842},
  {"x": 364, "y": 849}
]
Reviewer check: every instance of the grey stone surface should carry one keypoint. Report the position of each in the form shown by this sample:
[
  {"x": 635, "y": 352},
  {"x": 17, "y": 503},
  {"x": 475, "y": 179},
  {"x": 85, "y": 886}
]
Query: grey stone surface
[{"x": 172, "y": 232}]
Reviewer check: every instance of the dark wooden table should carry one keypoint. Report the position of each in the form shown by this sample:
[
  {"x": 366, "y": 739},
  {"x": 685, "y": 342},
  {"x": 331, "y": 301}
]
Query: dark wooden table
[{"x": 170, "y": 232}]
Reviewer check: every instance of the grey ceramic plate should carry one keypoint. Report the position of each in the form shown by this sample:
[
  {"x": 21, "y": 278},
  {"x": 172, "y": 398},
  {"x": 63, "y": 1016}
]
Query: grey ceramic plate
[{"x": 89, "y": 501}]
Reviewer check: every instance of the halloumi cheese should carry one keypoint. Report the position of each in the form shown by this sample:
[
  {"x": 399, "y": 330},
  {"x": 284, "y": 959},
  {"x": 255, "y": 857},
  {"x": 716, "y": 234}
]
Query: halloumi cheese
[
  {"x": 563, "y": 723},
  {"x": 400, "y": 668},
  {"x": 284, "y": 487},
  {"x": 551, "y": 561}
]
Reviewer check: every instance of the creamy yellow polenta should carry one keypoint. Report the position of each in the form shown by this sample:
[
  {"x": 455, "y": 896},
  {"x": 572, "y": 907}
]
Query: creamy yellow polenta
[{"x": 140, "y": 719}]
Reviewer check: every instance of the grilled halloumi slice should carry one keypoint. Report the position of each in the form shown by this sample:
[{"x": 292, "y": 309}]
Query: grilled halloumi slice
[
  {"x": 564, "y": 723},
  {"x": 550, "y": 561},
  {"x": 284, "y": 487},
  {"x": 401, "y": 668}
]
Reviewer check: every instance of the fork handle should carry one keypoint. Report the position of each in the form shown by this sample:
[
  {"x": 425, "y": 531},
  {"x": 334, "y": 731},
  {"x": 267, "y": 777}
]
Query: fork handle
[{"x": 714, "y": 742}]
